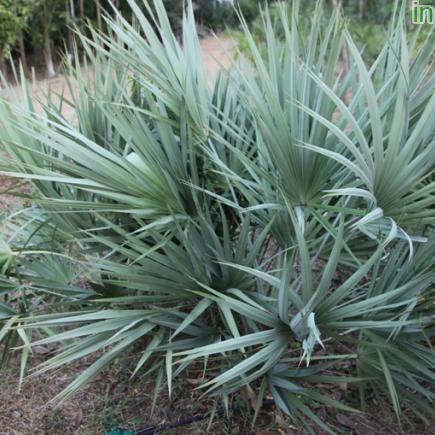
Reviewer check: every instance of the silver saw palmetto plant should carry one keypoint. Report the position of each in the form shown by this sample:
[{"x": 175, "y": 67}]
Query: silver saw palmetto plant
[{"x": 273, "y": 230}]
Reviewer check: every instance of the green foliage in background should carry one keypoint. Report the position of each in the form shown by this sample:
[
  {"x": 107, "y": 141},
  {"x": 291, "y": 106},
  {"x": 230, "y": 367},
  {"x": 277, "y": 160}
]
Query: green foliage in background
[
  {"x": 271, "y": 230},
  {"x": 12, "y": 17},
  {"x": 23, "y": 22},
  {"x": 368, "y": 23},
  {"x": 26, "y": 26}
]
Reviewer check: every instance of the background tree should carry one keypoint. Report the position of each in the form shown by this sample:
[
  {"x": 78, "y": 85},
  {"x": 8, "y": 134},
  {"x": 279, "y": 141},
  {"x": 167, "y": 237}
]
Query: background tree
[
  {"x": 23, "y": 10},
  {"x": 38, "y": 29},
  {"x": 98, "y": 15},
  {"x": 48, "y": 53},
  {"x": 71, "y": 21},
  {"x": 8, "y": 34},
  {"x": 49, "y": 26}
]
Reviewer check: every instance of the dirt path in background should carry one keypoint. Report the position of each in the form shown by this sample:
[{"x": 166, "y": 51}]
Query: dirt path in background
[{"x": 216, "y": 55}]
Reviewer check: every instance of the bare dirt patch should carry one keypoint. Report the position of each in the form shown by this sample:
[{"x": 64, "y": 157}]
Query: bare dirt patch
[{"x": 115, "y": 400}]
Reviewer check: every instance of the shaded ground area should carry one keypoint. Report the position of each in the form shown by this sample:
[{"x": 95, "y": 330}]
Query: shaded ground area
[
  {"x": 115, "y": 400},
  {"x": 7, "y": 202}
]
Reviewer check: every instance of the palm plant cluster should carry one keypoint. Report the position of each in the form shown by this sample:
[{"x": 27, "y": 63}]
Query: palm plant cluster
[{"x": 261, "y": 230}]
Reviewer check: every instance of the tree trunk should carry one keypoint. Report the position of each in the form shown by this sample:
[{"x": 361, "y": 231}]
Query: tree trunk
[
  {"x": 72, "y": 10},
  {"x": 360, "y": 8},
  {"x": 99, "y": 17},
  {"x": 70, "y": 13},
  {"x": 48, "y": 55},
  {"x": 3, "y": 68},
  {"x": 82, "y": 11},
  {"x": 23, "y": 54},
  {"x": 82, "y": 25}
]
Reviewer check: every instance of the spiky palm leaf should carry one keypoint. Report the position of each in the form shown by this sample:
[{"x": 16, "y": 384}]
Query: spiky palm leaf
[{"x": 258, "y": 226}]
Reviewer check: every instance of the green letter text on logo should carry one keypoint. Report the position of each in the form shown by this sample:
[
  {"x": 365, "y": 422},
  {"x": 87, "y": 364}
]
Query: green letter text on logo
[{"x": 422, "y": 14}]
